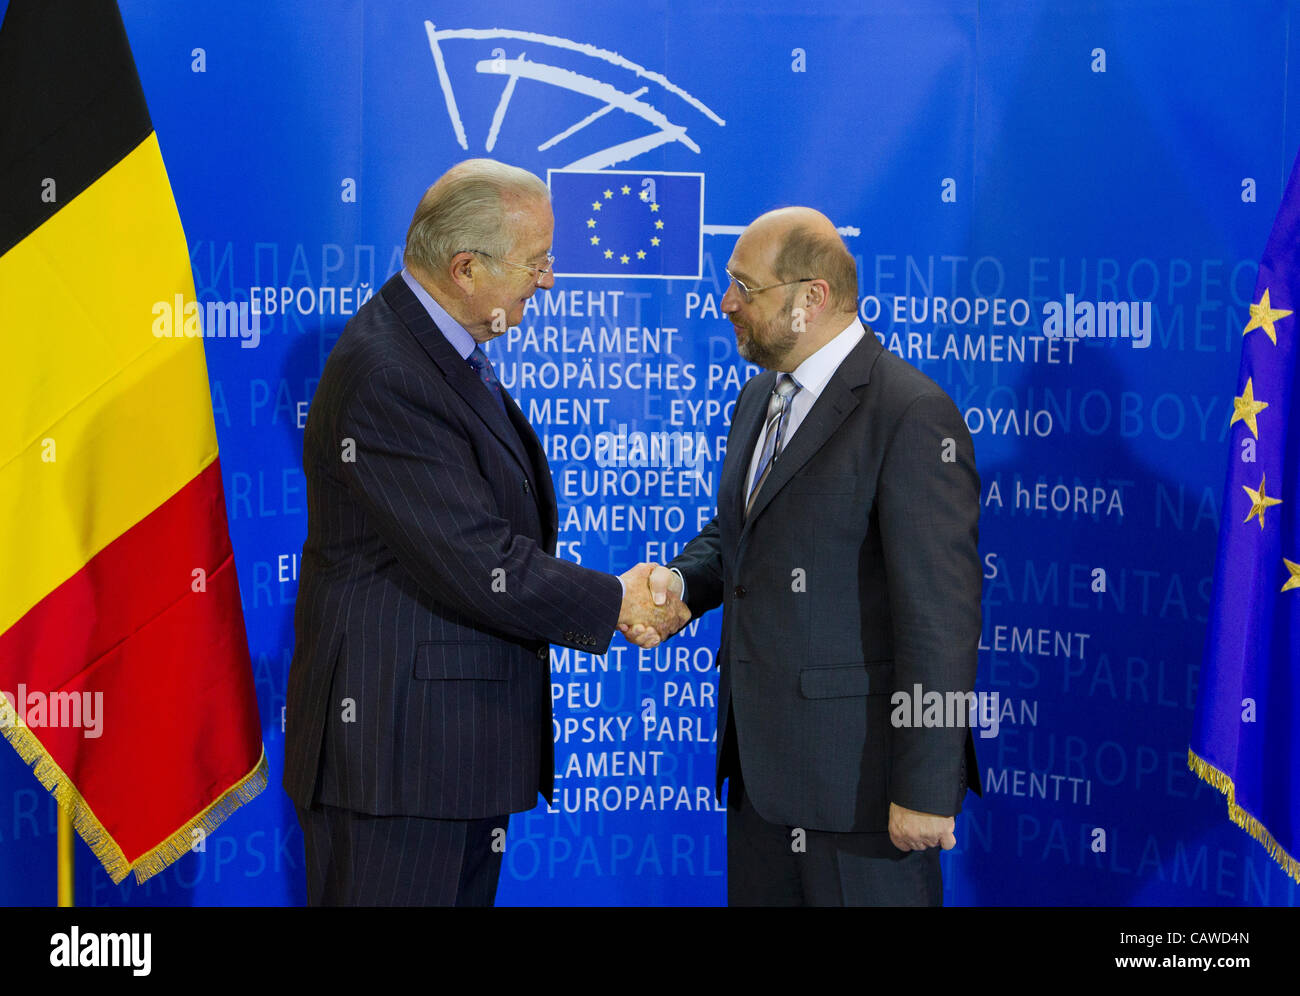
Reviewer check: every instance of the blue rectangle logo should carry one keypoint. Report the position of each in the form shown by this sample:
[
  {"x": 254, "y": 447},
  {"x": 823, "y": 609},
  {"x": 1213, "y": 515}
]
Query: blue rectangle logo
[{"x": 623, "y": 223}]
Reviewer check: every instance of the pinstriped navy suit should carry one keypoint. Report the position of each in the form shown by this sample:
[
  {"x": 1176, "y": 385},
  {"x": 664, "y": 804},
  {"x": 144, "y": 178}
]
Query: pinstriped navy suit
[{"x": 428, "y": 592}]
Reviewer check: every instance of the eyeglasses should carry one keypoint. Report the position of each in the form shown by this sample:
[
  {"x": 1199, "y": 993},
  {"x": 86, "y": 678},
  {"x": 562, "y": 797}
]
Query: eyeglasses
[
  {"x": 539, "y": 272},
  {"x": 748, "y": 292}
]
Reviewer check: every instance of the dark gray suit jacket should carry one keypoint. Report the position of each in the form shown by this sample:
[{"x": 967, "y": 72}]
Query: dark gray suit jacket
[
  {"x": 428, "y": 591},
  {"x": 856, "y": 574}
]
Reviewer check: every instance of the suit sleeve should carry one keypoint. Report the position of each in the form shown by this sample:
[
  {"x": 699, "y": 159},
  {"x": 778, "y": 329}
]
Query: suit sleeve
[
  {"x": 701, "y": 566},
  {"x": 928, "y": 500},
  {"x": 417, "y": 474}
]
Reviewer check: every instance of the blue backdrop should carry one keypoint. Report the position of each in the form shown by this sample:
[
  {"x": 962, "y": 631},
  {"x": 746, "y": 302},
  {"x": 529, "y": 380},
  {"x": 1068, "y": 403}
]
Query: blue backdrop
[{"x": 986, "y": 161}]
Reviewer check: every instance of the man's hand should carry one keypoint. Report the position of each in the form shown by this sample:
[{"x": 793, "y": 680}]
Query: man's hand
[
  {"x": 913, "y": 831},
  {"x": 652, "y": 607}
]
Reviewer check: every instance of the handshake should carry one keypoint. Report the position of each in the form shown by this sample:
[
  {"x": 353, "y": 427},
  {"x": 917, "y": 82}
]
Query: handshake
[{"x": 652, "y": 609}]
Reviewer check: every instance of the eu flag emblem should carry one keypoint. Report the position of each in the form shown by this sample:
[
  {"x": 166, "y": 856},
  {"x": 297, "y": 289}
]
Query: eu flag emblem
[{"x": 621, "y": 223}]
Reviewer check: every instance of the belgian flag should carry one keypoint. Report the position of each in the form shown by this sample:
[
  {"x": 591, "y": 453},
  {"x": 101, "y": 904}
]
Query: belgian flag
[{"x": 123, "y": 658}]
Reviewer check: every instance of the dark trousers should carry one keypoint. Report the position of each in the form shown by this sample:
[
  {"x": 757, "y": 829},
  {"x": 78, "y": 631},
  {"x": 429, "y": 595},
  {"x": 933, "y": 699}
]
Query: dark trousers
[
  {"x": 772, "y": 865},
  {"x": 355, "y": 859}
]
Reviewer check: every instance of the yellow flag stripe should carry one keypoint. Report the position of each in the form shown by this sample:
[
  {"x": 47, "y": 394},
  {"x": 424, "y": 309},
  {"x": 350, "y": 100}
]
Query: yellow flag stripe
[{"x": 100, "y": 420}]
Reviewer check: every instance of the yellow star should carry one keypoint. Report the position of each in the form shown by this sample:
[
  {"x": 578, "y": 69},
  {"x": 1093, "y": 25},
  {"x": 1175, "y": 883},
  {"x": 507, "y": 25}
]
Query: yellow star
[
  {"x": 591, "y": 222},
  {"x": 609, "y": 194},
  {"x": 654, "y": 241},
  {"x": 654, "y": 207},
  {"x": 640, "y": 254},
  {"x": 1260, "y": 502},
  {"x": 1245, "y": 408},
  {"x": 645, "y": 195},
  {"x": 1263, "y": 315},
  {"x": 659, "y": 223},
  {"x": 623, "y": 258},
  {"x": 1294, "y": 580},
  {"x": 626, "y": 189},
  {"x": 609, "y": 253},
  {"x": 595, "y": 206},
  {"x": 595, "y": 240}
]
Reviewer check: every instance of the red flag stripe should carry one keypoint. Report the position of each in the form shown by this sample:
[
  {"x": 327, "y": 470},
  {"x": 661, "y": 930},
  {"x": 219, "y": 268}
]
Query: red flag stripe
[{"x": 168, "y": 684}]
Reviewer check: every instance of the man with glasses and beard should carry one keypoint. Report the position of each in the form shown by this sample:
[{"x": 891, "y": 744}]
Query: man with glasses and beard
[{"x": 844, "y": 556}]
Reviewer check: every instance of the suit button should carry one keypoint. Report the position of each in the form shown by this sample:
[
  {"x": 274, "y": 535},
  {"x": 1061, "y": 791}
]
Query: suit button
[
  {"x": 527, "y": 489},
  {"x": 739, "y": 591},
  {"x": 542, "y": 653}
]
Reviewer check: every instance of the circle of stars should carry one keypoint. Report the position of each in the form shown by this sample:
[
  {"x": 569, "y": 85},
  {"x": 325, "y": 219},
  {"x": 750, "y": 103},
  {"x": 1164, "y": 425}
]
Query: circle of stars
[{"x": 624, "y": 190}]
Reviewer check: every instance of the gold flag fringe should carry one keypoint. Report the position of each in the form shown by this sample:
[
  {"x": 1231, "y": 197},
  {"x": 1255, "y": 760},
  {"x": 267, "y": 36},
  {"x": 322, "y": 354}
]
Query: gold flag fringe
[
  {"x": 98, "y": 839},
  {"x": 181, "y": 842},
  {"x": 1212, "y": 775}
]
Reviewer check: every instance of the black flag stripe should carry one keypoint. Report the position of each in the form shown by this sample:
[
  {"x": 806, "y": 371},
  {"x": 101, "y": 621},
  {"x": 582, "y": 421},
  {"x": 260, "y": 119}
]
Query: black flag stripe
[{"x": 71, "y": 106}]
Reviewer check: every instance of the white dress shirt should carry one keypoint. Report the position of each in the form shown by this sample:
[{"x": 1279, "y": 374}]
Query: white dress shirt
[{"x": 811, "y": 375}]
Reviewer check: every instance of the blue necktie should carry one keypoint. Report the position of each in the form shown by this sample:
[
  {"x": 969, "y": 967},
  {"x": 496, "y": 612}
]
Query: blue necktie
[
  {"x": 778, "y": 406},
  {"x": 482, "y": 366}
]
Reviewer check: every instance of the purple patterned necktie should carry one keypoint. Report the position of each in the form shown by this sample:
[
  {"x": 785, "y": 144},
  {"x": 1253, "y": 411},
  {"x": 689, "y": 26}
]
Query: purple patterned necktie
[{"x": 482, "y": 366}]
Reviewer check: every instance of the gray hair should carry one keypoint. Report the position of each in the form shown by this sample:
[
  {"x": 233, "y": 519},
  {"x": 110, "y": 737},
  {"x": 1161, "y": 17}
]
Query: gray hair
[
  {"x": 471, "y": 206},
  {"x": 808, "y": 253}
]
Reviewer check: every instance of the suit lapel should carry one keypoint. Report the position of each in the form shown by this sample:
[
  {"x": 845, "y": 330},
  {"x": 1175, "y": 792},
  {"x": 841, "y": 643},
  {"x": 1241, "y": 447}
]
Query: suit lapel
[
  {"x": 459, "y": 375},
  {"x": 833, "y": 405},
  {"x": 746, "y": 425}
]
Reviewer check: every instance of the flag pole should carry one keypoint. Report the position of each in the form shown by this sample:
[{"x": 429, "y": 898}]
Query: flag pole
[{"x": 66, "y": 859}]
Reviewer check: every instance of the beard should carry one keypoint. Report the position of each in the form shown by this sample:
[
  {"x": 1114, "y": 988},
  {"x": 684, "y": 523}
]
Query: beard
[{"x": 768, "y": 344}]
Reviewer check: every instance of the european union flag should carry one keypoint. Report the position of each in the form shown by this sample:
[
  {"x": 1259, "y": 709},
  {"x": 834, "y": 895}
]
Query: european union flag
[
  {"x": 619, "y": 223},
  {"x": 1246, "y": 740}
]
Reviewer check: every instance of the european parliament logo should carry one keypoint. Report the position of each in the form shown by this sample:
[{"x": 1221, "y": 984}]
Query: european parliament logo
[{"x": 624, "y": 223}]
